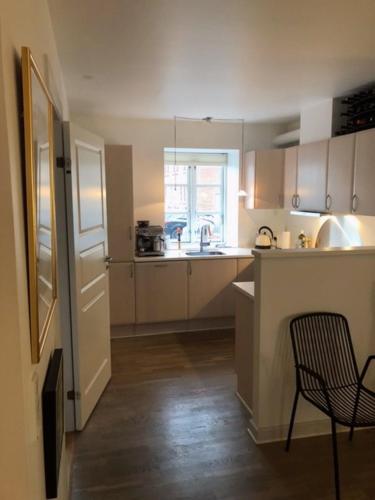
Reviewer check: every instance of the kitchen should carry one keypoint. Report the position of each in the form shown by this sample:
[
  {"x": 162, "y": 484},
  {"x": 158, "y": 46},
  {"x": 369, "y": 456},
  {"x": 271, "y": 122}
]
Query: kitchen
[
  {"x": 213, "y": 167},
  {"x": 320, "y": 186}
]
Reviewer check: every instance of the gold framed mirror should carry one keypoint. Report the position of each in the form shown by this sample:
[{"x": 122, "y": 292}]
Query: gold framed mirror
[{"x": 40, "y": 201}]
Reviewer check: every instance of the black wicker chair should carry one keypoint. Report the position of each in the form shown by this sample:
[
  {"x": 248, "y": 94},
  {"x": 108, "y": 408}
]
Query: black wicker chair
[{"x": 327, "y": 375}]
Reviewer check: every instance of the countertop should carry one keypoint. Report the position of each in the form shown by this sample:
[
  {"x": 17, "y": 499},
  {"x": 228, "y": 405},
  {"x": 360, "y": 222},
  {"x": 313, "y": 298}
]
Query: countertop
[
  {"x": 246, "y": 288},
  {"x": 229, "y": 253},
  {"x": 313, "y": 252}
]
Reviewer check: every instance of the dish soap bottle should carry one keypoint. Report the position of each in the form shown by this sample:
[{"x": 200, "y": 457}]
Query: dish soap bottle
[{"x": 302, "y": 240}]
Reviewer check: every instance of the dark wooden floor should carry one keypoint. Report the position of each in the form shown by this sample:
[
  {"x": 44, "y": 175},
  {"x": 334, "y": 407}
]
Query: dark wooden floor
[{"x": 170, "y": 427}]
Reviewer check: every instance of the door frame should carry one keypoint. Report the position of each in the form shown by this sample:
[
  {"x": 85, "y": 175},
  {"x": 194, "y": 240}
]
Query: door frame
[{"x": 64, "y": 268}]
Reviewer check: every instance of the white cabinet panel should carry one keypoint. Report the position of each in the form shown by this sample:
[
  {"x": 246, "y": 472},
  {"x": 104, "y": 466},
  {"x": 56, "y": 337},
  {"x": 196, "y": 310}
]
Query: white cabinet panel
[
  {"x": 312, "y": 176},
  {"x": 265, "y": 178},
  {"x": 244, "y": 349},
  {"x": 161, "y": 291},
  {"x": 364, "y": 177},
  {"x": 245, "y": 269},
  {"x": 122, "y": 293},
  {"x": 210, "y": 288},
  {"x": 290, "y": 178},
  {"x": 340, "y": 174},
  {"x": 119, "y": 176}
]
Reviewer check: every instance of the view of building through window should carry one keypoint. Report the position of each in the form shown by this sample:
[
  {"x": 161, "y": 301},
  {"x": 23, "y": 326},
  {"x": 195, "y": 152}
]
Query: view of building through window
[{"x": 194, "y": 196}]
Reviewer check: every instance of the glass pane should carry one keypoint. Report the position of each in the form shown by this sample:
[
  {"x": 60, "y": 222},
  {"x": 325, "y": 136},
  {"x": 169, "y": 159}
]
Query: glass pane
[
  {"x": 215, "y": 223},
  {"x": 174, "y": 223},
  {"x": 175, "y": 174},
  {"x": 176, "y": 199},
  {"x": 208, "y": 199},
  {"x": 209, "y": 175}
]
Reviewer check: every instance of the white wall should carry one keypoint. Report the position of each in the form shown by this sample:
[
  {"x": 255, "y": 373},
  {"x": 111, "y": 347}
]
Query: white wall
[
  {"x": 316, "y": 121},
  {"x": 342, "y": 230},
  {"x": 150, "y": 137},
  {"x": 23, "y": 22}
]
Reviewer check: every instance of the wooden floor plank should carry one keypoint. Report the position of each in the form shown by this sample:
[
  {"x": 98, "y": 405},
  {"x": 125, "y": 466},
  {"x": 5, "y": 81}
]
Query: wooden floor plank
[{"x": 169, "y": 427}]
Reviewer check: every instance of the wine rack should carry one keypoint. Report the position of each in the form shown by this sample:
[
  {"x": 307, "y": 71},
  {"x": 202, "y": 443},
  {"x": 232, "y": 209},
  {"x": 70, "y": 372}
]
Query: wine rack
[{"x": 357, "y": 112}]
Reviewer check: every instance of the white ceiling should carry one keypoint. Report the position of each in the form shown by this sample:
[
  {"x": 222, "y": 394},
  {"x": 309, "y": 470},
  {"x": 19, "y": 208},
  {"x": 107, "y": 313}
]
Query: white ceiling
[{"x": 253, "y": 59}]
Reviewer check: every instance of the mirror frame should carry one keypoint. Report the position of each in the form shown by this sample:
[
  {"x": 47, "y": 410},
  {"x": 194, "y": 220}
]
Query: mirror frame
[{"x": 38, "y": 334}]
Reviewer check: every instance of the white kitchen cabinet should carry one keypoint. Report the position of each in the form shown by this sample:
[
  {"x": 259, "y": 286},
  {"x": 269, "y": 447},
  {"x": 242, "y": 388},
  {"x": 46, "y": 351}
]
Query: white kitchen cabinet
[
  {"x": 119, "y": 187},
  {"x": 244, "y": 349},
  {"x": 290, "y": 178},
  {"x": 161, "y": 291},
  {"x": 245, "y": 269},
  {"x": 364, "y": 173},
  {"x": 265, "y": 178},
  {"x": 122, "y": 293},
  {"x": 312, "y": 176},
  {"x": 340, "y": 174},
  {"x": 210, "y": 288}
]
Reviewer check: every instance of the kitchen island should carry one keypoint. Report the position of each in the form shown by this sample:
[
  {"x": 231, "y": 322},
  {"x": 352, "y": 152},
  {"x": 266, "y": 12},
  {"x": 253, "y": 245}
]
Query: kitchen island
[{"x": 288, "y": 283}]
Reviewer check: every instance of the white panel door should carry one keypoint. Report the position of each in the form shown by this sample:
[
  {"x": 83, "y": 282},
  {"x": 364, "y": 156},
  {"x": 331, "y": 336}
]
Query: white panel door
[
  {"x": 364, "y": 174},
  {"x": 312, "y": 176},
  {"x": 340, "y": 174},
  {"x": 290, "y": 178},
  {"x": 89, "y": 287}
]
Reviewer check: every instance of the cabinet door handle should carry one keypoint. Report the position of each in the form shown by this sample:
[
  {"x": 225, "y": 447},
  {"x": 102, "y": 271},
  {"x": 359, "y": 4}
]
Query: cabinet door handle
[
  {"x": 294, "y": 201},
  {"x": 355, "y": 201},
  {"x": 328, "y": 202},
  {"x": 298, "y": 200}
]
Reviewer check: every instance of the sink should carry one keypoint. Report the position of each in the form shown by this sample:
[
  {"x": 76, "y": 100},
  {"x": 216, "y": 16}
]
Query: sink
[{"x": 207, "y": 253}]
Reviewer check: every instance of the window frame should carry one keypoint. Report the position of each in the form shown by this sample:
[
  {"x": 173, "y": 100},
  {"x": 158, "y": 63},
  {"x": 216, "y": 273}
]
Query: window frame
[{"x": 192, "y": 213}]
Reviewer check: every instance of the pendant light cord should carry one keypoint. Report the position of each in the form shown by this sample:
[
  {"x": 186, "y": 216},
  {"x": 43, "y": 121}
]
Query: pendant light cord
[{"x": 210, "y": 119}]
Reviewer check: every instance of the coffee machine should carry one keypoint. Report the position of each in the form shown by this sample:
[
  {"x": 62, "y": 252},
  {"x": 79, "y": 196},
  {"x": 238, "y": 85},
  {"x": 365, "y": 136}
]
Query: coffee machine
[{"x": 149, "y": 239}]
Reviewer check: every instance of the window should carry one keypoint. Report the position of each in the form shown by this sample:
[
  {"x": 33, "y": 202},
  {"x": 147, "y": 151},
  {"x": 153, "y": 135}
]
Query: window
[{"x": 195, "y": 194}]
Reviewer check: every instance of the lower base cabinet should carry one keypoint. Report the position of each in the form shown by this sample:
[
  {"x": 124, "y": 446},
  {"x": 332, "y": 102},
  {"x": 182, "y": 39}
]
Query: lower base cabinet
[
  {"x": 244, "y": 348},
  {"x": 122, "y": 293},
  {"x": 161, "y": 291},
  {"x": 210, "y": 288},
  {"x": 245, "y": 269},
  {"x": 189, "y": 289}
]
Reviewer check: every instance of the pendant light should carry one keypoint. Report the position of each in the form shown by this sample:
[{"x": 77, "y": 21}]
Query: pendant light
[{"x": 209, "y": 119}]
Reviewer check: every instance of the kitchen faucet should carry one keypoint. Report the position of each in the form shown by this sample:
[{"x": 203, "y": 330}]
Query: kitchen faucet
[{"x": 205, "y": 236}]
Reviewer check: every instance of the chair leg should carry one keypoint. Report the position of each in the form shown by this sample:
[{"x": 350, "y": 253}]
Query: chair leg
[
  {"x": 292, "y": 421},
  {"x": 335, "y": 459}
]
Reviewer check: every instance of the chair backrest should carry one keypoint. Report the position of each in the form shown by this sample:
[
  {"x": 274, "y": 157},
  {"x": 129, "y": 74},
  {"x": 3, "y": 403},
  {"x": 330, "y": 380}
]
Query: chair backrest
[{"x": 321, "y": 341}]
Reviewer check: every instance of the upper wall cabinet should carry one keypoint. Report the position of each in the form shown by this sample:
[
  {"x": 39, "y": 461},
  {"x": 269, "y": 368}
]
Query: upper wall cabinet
[
  {"x": 290, "y": 178},
  {"x": 364, "y": 174},
  {"x": 119, "y": 179},
  {"x": 265, "y": 178},
  {"x": 312, "y": 176},
  {"x": 340, "y": 174}
]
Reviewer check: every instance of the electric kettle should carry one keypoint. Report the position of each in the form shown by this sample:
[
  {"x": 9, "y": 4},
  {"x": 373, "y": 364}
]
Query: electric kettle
[{"x": 264, "y": 240}]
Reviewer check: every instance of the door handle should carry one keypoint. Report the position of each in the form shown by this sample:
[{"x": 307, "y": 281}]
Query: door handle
[
  {"x": 108, "y": 260},
  {"x": 298, "y": 200},
  {"x": 355, "y": 201},
  {"x": 328, "y": 202},
  {"x": 294, "y": 201}
]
